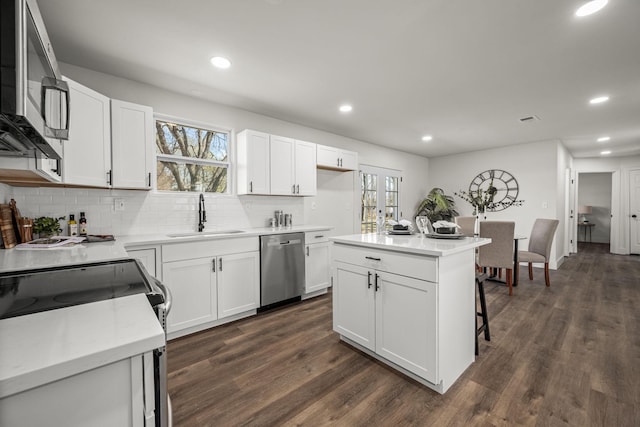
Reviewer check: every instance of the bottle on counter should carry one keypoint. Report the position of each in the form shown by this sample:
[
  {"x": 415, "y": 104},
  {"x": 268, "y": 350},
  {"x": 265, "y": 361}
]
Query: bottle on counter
[
  {"x": 83, "y": 224},
  {"x": 73, "y": 226}
]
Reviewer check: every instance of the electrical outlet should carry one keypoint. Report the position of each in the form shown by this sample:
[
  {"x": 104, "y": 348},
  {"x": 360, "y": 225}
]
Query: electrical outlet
[
  {"x": 545, "y": 205},
  {"x": 118, "y": 204}
]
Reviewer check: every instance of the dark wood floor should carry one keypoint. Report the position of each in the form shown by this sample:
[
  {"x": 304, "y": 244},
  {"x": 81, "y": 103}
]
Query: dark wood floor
[{"x": 564, "y": 355}]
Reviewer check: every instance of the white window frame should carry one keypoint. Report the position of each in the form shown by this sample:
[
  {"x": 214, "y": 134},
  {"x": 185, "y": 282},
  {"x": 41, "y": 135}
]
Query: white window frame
[{"x": 229, "y": 164}]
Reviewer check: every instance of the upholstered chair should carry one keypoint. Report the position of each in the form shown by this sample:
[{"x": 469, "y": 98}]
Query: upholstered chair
[
  {"x": 467, "y": 224},
  {"x": 540, "y": 246},
  {"x": 499, "y": 253}
]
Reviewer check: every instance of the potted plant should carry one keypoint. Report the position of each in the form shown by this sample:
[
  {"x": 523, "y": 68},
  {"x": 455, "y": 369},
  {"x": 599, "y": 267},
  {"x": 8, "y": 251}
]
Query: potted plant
[
  {"x": 47, "y": 226},
  {"x": 437, "y": 206}
]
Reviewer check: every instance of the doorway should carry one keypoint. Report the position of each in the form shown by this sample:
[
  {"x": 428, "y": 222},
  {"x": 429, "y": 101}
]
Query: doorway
[{"x": 594, "y": 209}]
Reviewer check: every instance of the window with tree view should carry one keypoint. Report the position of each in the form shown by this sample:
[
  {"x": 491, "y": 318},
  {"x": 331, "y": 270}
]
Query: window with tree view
[{"x": 191, "y": 158}]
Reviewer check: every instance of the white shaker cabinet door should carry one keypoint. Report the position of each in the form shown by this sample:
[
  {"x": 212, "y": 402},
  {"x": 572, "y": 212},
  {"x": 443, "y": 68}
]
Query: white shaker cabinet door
[
  {"x": 87, "y": 152},
  {"x": 132, "y": 142},
  {"x": 238, "y": 283},
  {"x": 193, "y": 287},
  {"x": 282, "y": 166},
  {"x": 406, "y": 313},
  {"x": 317, "y": 270},
  {"x": 253, "y": 162},
  {"x": 354, "y": 304},
  {"x": 305, "y": 168}
]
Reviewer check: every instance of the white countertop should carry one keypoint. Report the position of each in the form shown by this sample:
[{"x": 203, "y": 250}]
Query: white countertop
[
  {"x": 43, "y": 347},
  {"x": 162, "y": 238},
  {"x": 415, "y": 244},
  {"x": 83, "y": 253}
]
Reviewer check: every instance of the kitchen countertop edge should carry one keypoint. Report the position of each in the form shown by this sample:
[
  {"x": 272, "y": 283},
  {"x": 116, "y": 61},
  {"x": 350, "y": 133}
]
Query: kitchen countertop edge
[{"x": 413, "y": 244}]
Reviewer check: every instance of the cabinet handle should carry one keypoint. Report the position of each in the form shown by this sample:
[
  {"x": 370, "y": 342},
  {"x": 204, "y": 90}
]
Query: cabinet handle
[
  {"x": 250, "y": 186},
  {"x": 320, "y": 236},
  {"x": 149, "y": 179},
  {"x": 220, "y": 264},
  {"x": 373, "y": 258},
  {"x": 376, "y": 280},
  {"x": 293, "y": 189},
  {"x": 297, "y": 188},
  {"x": 307, "y": 250},
  {"x": 213, "y": 264},
  {"x": 368, "y": 280},
  {"x": 338, "y": 161},
  {"x": 109, "y": 177}
]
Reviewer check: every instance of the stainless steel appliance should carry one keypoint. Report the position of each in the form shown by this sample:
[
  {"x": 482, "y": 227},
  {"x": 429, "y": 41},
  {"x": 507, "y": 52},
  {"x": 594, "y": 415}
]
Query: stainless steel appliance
[
  {"x": 34, "y": 106},
  {"x": 281, "y": 268},
  {"x": 32, "y": 291}
]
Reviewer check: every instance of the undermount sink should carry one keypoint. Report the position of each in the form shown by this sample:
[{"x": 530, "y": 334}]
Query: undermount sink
[{"x": 206, "y": 233}]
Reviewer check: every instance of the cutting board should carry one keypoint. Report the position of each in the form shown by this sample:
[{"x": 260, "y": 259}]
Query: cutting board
[{"x": 6, "y": 227}]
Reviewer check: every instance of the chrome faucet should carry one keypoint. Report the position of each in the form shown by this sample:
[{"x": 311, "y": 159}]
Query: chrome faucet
[{"x": 202, "y": 213}]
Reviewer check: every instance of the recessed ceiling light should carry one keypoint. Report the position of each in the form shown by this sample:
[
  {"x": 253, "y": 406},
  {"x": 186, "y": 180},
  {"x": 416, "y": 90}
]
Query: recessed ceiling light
[
  {"x": 591, "y": 7},
  {"x": 345, "y": 108},
  {"x": 599, "y": 100},
  {"x": 604, "y": 153},
  {"x": 604, "y": 139},
  {"x": 220, "y": 62},
  {"x": 427, "y": 138}
]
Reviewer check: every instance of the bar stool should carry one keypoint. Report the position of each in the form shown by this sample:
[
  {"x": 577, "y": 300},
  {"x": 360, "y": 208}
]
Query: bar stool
[{"x": 480, "y": 278}]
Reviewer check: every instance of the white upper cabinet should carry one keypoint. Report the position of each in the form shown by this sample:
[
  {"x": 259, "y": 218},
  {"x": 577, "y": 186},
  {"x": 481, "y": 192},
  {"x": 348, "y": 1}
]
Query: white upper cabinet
[
  {"x": 253, "y": 162},
  {"x": 276, "y": 165},
  {"x": 87, "y": 152},
  {"x": 336, "y": 159},
  {"x": 132, "y": 139},
  {"x": 305, "y": 168},
  {"x": 282, "y": 165}
]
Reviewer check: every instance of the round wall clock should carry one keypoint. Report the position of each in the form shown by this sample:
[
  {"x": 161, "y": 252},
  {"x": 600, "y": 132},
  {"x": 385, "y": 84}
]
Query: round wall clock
[{"x": 500, "y": 186}]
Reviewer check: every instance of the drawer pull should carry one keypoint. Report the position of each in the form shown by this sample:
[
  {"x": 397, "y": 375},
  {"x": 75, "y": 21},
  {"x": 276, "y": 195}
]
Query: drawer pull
[
  {"x": 373, "y": 258},
  {"x": 318, "y": 237}
]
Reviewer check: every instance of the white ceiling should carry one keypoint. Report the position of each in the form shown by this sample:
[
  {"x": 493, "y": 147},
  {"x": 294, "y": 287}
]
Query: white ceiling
[{"x": 464, "y": 71}]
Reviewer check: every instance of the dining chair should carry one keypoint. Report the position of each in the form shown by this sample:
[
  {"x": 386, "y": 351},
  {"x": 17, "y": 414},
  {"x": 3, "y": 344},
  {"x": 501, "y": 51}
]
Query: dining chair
[
  {"x": 499, "y": 253},
  {"x": 467, "y": 224},
  {"x": 540, "y": 246}
]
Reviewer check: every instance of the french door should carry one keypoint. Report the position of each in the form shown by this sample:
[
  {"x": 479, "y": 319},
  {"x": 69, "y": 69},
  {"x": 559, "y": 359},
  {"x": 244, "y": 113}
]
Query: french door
[{"x": 380, "y": 192}]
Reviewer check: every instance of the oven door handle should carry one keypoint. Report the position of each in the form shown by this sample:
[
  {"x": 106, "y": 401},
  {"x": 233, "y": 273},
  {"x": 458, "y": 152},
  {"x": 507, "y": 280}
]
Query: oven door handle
[{"x": 168, "y": 298}]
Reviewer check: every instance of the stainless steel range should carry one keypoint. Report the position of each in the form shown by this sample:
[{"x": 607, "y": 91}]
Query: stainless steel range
[{"x": 32, "y": 291}]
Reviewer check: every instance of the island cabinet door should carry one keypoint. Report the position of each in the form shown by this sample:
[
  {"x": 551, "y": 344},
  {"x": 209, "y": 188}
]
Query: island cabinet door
[
  {"x": 354, "y": 304},
  {"x": 406, "y": 323}
]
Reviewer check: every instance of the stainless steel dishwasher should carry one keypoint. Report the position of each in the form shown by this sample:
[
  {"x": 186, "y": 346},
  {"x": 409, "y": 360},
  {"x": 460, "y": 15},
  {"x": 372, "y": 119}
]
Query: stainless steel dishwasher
[{"x": 281, "y": 268}]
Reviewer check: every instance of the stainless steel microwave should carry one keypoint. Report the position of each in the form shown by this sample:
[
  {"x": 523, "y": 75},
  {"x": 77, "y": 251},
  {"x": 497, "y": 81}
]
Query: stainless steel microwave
[{"x": 34, "y": 101}]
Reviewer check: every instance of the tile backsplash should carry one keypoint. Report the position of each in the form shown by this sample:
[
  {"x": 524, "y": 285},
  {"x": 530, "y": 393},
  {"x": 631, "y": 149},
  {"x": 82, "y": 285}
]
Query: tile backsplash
[{"x": 149, "y": 212}]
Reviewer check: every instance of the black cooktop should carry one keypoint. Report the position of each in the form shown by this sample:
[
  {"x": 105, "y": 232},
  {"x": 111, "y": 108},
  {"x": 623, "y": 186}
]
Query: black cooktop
[{"x": 32, "y": 291}]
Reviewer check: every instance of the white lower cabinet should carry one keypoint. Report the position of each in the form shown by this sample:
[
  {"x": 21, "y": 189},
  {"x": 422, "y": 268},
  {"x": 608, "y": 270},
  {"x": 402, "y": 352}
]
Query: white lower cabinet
[
  {"x": 238, "y": 283},
  {"x": 205, "y": 289},
  {"x": 148, "y": 257},
  {"x": 317, "y": 269},
  {"x": 111, "y": 395},
  {"x": 389, "y": 314},
  {"x": 412, "y": 311},
  {"x": 194, "y": 291}
]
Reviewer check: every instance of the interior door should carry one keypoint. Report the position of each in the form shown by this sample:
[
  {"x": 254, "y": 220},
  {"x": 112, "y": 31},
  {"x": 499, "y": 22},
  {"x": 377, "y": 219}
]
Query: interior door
[
  {"x": 572, "y": 222},
  {"x": 634, "y": 211}
]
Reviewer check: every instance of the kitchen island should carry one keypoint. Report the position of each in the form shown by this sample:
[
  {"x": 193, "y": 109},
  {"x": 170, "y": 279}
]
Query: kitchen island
[{"x": 408, "y": 301}]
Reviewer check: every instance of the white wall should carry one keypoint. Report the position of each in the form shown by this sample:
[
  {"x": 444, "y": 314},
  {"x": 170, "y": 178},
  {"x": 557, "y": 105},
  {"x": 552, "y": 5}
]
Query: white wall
[
  {"x": 595, "y": 191},
  {"x": 149, "y": 212},
  {"x": 536, "y": 167}
]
